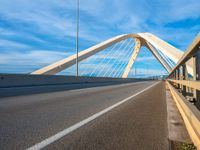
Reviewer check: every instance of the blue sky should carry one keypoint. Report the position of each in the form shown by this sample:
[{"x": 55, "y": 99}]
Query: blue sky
[{"x": 36, "y": 33}]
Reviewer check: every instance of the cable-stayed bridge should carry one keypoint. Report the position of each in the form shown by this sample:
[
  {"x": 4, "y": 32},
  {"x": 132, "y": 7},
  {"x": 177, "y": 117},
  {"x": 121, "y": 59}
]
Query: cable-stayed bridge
[
  {"x": 103, "y": 108},
  {"x": 123, "y": 47}
]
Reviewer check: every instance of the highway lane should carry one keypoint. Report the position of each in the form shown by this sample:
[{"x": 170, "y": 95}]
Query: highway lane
[
  {"x": 27, "y": 120},
  {"x": 139, "y": 124}
]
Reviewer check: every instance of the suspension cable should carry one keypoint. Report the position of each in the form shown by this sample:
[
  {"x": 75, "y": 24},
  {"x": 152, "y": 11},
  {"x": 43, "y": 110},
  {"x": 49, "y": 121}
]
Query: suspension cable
[
  {"x": 103, "y": 68},
  {"x": 122, "y": 65},
  {"x": 100, "y": 61},
  {"x": 117, "y": 60},
  {"x": 116, "y": 44}
]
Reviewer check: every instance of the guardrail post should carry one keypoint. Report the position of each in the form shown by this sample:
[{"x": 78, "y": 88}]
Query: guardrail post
[
  {"x": 178, "y": 76},
  {"x": 194, "y": 78},
  {"x": 174, "y": 77},
  {"x": 187, "y": 78},
  {"x": 176, "y": 71},
  {"x": 184, "y": 72},
  {"x": 197, "y": 66}
]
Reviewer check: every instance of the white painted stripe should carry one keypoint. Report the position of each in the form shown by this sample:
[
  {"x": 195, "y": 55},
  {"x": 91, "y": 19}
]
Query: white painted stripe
[{"x": 66, "y": 131}]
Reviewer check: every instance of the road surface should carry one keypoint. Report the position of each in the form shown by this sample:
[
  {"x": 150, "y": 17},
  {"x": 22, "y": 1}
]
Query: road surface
[{"x": 125, "y": 116}]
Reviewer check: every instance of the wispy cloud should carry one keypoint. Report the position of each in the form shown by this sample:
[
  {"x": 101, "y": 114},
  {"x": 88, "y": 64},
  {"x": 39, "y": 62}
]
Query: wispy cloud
[
  {"x": 34, "y": 57},
  {"x": 28, "y": 26},
  {"x": 24, "y": 62},
  {"x": 12, "y": 44}
]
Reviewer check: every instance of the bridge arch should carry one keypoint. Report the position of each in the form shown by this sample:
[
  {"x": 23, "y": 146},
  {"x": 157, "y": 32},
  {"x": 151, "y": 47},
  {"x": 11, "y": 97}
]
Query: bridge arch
[{"x": 142, "y": 39}]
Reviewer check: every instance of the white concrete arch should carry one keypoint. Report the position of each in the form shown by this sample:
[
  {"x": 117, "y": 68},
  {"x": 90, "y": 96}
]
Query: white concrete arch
[{"x": 144, "y": 39}]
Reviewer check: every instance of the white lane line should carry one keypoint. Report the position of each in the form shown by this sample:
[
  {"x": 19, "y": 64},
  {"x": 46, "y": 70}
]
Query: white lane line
[{"x": 66, "y": 131}]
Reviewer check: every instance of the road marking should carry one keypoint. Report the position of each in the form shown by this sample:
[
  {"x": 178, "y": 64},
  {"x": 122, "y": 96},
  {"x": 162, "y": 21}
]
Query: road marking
[{"x": 66, "y": 131}]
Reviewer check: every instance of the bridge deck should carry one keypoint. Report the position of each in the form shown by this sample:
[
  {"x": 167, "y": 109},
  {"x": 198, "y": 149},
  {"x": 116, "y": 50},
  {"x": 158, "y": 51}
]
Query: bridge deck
[{"x": 139, "y": 123}]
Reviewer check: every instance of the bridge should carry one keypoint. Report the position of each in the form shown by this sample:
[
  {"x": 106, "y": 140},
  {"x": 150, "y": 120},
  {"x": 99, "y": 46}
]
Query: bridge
[{"x": 103, "y": 108}]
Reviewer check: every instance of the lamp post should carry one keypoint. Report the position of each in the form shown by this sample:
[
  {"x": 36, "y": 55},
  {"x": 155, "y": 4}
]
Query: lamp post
[{"x": 77, "y": 37}]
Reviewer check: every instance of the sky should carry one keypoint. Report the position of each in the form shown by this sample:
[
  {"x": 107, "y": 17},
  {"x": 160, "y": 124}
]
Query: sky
[{"x": 35, "y": 33}]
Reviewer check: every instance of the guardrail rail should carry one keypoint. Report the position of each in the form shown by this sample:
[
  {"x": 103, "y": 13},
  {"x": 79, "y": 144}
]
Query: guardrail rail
[{"x": 185, "y": 89}]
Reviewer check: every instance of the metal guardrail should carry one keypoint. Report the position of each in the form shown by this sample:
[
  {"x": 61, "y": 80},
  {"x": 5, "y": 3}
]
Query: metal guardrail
[
  {"x": 189, "y": 113},
  {"x": 188, "y": 84},
  {"x": 185, "y": 89}
]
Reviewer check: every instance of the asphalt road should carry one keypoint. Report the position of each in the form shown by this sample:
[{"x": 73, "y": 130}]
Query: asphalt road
[{"x": 138, "y": 121}]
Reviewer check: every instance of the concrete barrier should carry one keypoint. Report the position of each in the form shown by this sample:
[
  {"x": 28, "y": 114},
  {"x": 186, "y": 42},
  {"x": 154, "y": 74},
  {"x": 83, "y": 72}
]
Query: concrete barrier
[
  {"x": 24, "y": 80},
  {"x": 24, "y": 84}
]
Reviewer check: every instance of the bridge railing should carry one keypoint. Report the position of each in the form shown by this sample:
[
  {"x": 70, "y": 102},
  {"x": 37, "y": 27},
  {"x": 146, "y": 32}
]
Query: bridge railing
[
  {"x": 185, "y": 89},
  {"x": 188, "y": 84}
]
